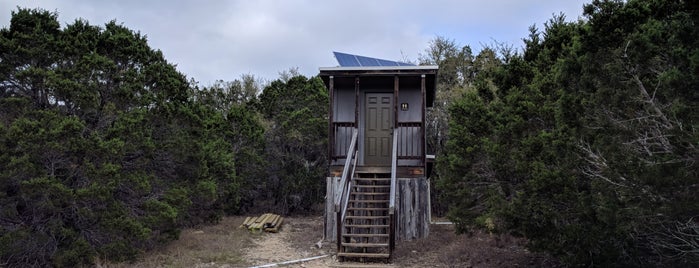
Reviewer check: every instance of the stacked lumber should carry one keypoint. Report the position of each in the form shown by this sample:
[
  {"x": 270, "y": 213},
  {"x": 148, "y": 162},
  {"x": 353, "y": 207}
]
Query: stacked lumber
[{"x": 268, "y": 222}]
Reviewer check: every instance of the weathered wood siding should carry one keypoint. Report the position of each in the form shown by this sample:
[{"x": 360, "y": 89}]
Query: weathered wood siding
[
  {"x": 330, "y": 216},
  {"x": 412, "y": 208},
  {"x": 344, "y": 105},
  {"x": 410, "y": 93}
]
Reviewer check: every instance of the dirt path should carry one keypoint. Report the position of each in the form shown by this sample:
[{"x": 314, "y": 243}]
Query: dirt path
[{"x": 298, "y": 239}]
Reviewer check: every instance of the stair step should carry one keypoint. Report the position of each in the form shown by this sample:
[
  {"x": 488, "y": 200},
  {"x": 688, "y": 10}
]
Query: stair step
[
  {"x": 369, "y": 209},
  {"x": 371, "y": 186},
  {"x": 374, "y": 170},
  {"x": 363, "y": 255},
  {"x": 366, "y": 217},
  {"x": 365, "y": 235},
  {"x": 371, "y": 193},
  {"x": 363, "y": 183},
  {"x": 372, "y": 179},
  {"x": 366, "y": 226},
  {"x": 370, "y": 201},
  {"x": 365, "y": 245},
  {"x": 358, "y": 265}
]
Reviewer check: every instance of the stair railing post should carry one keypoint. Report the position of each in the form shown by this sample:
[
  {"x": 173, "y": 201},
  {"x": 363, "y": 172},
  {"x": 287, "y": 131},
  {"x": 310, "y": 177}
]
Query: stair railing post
[
  {"x": 338, "y": 223},
  {"x": 392, "y": 194}
]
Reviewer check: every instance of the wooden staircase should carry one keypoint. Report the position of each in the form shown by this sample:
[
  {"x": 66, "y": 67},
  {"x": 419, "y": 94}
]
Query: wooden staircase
[
  {"x": 365, "y": 209},
  {"x": 366, "y": 229}
]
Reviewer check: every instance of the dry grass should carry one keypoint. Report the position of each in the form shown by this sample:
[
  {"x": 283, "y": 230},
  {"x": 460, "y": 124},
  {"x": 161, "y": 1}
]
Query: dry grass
[
  {"x": 444, "y": 248},
  {"x": 226, "y": 245},
  {"x": 209, "y": 246}
]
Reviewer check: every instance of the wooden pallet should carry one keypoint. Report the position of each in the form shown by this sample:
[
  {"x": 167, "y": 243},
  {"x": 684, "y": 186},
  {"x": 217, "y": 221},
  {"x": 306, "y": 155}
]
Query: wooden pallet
[{"x": 268, "y": 222}]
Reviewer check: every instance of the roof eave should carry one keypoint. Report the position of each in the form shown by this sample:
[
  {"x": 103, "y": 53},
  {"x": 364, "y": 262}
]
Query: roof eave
[{"x": 379, "y": 68}]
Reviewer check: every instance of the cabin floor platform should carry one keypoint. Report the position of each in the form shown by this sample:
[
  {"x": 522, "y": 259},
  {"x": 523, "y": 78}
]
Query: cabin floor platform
[{"x": 401, "y": 171}]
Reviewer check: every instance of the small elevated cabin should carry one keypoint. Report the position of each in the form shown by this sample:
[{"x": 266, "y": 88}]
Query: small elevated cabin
[{"x": 378, "y": 189}]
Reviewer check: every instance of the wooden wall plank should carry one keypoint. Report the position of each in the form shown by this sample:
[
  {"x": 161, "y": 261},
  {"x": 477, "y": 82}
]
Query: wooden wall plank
[
  {"x": 330, "y": 215},
  {"x": 412, "y": 201}
]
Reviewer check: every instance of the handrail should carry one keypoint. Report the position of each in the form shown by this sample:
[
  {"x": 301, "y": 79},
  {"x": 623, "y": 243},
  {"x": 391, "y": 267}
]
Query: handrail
[
  {"x": 346, "y": 202},
  {"x": 394, "y": 165},
  {"x": 344, "y": 187},
  {"x": 345, "y": 171}
]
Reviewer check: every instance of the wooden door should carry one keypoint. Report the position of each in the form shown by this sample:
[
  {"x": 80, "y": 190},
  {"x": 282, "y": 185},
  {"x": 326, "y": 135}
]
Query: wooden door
[{"x": 378, "y": 129}]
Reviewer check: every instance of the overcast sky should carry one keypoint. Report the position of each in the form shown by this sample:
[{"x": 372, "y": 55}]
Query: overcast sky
[{"x": 211, "y": 40}]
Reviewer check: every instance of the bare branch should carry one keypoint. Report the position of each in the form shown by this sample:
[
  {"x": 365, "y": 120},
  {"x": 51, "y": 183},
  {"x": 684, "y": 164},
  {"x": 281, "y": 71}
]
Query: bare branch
[
  {"x": 678, "y": 239},
  {"x": 597, "y": 164}
]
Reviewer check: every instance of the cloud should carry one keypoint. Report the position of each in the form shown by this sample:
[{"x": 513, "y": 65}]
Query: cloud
[{"x": 217, "y": 39}]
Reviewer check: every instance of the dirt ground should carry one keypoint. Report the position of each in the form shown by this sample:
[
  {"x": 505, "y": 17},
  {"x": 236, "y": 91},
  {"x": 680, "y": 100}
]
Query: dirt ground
[
  {"x": 443, "y": 248},
  {"x": 226, "y": 245}
]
